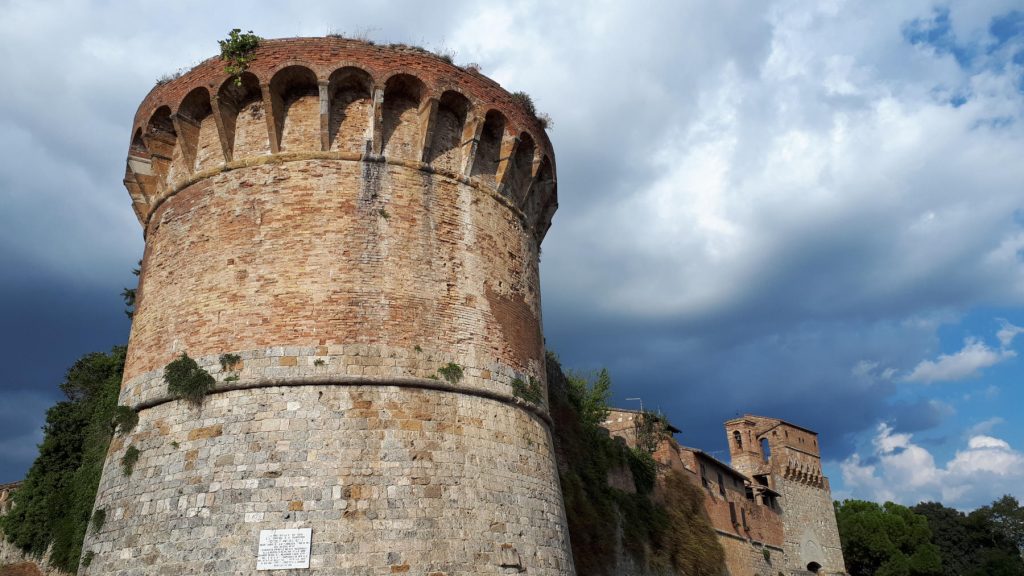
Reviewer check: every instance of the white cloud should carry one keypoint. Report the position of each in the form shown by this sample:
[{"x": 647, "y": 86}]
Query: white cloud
[
  {"x": 985, "y": 426},
  {"x": 1007, "y": 332},
  {"x": 967, "y": 363},
  {"x": 905, "y": 472}
]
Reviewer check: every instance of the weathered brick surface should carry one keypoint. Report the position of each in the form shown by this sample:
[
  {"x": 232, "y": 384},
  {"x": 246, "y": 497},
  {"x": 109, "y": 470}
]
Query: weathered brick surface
[
  {"x": 308, "y": 94},
  {"x": 333, "y": 253},
  {"x": 788, "y": 458},
  {"x": 319, "y": 219},
  {"x": 796, "y": 526}
]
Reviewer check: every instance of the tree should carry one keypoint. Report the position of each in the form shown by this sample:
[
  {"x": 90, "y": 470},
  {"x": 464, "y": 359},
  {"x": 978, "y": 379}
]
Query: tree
[
  {"x": 886, "y": 540},
  {"x": 1007, "y": 517},
  {"x": 54, "y": 504},
  {"x": 970, "y": 545}
]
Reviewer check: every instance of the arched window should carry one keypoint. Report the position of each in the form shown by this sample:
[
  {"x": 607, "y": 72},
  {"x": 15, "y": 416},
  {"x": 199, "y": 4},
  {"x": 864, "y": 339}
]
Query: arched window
[
  {"x": 403, "y": 95},
  {"x": 445, "y": 148},
  {"x": 488, "y": 151},
  {"x": 814, "y": 567},
  {"x": 245, "y": 124},
  {"x": 350, "y": 91},
  {"x": 296, "y": 98},
  {"x": 738, "y": 438},
  {"x": 518, "y": 179}
]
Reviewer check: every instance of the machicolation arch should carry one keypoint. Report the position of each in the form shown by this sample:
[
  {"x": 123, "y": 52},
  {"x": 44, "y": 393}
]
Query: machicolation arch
[{"x": 356, "y": 109}]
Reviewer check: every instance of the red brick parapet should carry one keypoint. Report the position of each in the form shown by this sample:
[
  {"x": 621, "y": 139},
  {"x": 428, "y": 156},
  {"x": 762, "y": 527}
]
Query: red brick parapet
[{"x": 460, "y": 123}]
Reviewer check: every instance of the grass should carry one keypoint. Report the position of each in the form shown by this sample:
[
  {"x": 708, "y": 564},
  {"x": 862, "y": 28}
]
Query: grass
[
  {"x": 186, "y": 380},
  {"x": 229, "y": 361},
  {"x": 531, "y": 392},
  {"x": 124, "y": 421},
  {"x": 99, "y": 517},
  {"x": 131, "y": 456},
  {"x": 451, "y": 372}
]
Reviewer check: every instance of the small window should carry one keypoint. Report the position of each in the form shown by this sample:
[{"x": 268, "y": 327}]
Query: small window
[
  {"x": 721, "y": 484},
  {"x": 743, "y": 516},
  {"x": 732, "y": 513},
  {"x": 766, "y": 450},
  {"x": 738, "y": 438}
]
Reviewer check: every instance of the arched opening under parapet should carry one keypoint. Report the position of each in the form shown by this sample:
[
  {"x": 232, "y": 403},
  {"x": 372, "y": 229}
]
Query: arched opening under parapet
[
  {"x": 488, "y": 150},
  {"x": 517, "y": 182},
  {"x": 814, "y": 567},
  {"x": 446, "y": 144},
  {"x": 245, "y": 123},
  {"x": 542, "y": 189},
  {"x": 737, "y": 439},
  {"x": 351, "y": 92},
  {"x": 199, "y": 141},
  {"x": 138, "y": 147},
  {"x": 161, "y": 139},
  {"x": 296, "y": 100},
  {"x": 401, "y": 117}
]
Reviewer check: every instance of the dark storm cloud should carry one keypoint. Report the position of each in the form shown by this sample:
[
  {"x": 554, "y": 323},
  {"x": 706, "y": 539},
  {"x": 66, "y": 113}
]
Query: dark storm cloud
[{"x": 764, "y": 207}]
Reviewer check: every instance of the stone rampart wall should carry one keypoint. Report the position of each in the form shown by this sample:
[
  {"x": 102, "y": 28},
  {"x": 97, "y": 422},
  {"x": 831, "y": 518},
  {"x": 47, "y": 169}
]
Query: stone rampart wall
[{"x": 390, "y": 479}]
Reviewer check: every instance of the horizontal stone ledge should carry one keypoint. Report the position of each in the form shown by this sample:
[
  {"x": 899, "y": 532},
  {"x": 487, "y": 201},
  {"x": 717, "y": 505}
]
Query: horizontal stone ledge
[{"x": 359, "y": 381}]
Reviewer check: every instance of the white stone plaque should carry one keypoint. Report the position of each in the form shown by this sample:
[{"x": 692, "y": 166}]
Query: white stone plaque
[{"x": 284, "y": 549}]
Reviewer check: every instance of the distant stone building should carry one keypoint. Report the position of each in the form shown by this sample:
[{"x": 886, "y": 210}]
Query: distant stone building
[
  {"x": 786, "y": 458},
  {"x": 772, "y": 508}
]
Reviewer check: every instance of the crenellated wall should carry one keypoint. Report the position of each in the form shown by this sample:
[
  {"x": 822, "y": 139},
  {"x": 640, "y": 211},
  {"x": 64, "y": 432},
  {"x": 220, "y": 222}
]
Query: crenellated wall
[
  {"x": 348, "y": 220},
  {"x": 786, "y": 459}
]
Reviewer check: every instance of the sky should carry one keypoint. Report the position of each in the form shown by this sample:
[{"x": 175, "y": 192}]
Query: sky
[{"x": 809, "y": 210}]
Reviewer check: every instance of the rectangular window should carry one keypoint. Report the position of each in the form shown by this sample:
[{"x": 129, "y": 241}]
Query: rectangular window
[
  {"x": 721, "y": 484},
  {"x": 743, "y": 515},
  {"x": 732, "y": 512}
]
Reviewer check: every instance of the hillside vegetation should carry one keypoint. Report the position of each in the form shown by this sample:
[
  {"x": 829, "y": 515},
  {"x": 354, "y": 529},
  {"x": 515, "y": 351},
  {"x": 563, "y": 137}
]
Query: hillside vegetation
[
  {"x": 53, "y": 506},
  {"x": 658, "y": 529}
]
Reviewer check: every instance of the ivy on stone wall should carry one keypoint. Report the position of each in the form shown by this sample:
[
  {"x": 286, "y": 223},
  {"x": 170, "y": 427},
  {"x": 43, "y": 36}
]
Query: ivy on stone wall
[{"x": 662, "y": 523}]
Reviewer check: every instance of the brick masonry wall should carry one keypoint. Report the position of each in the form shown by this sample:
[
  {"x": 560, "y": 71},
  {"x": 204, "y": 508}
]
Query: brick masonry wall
[
  {"x": 322, "y": 253},
  {"x": 344, "y": 280}
]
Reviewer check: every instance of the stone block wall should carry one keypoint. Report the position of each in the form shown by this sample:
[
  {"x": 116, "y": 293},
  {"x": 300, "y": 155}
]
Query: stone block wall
[
  {"x": 747, "y": 558},
  {"x": 390, "y": 479},
  {"x": 812, "y": 534}
]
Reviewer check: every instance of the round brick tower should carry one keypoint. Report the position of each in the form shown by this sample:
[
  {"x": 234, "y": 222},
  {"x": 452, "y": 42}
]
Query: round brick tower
[{"x": 346, "y": 238}]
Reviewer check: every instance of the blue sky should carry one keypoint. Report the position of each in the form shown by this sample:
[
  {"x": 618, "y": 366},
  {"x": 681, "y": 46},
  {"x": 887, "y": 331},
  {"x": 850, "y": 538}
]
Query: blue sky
[{"x": 811, "y": 210}]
